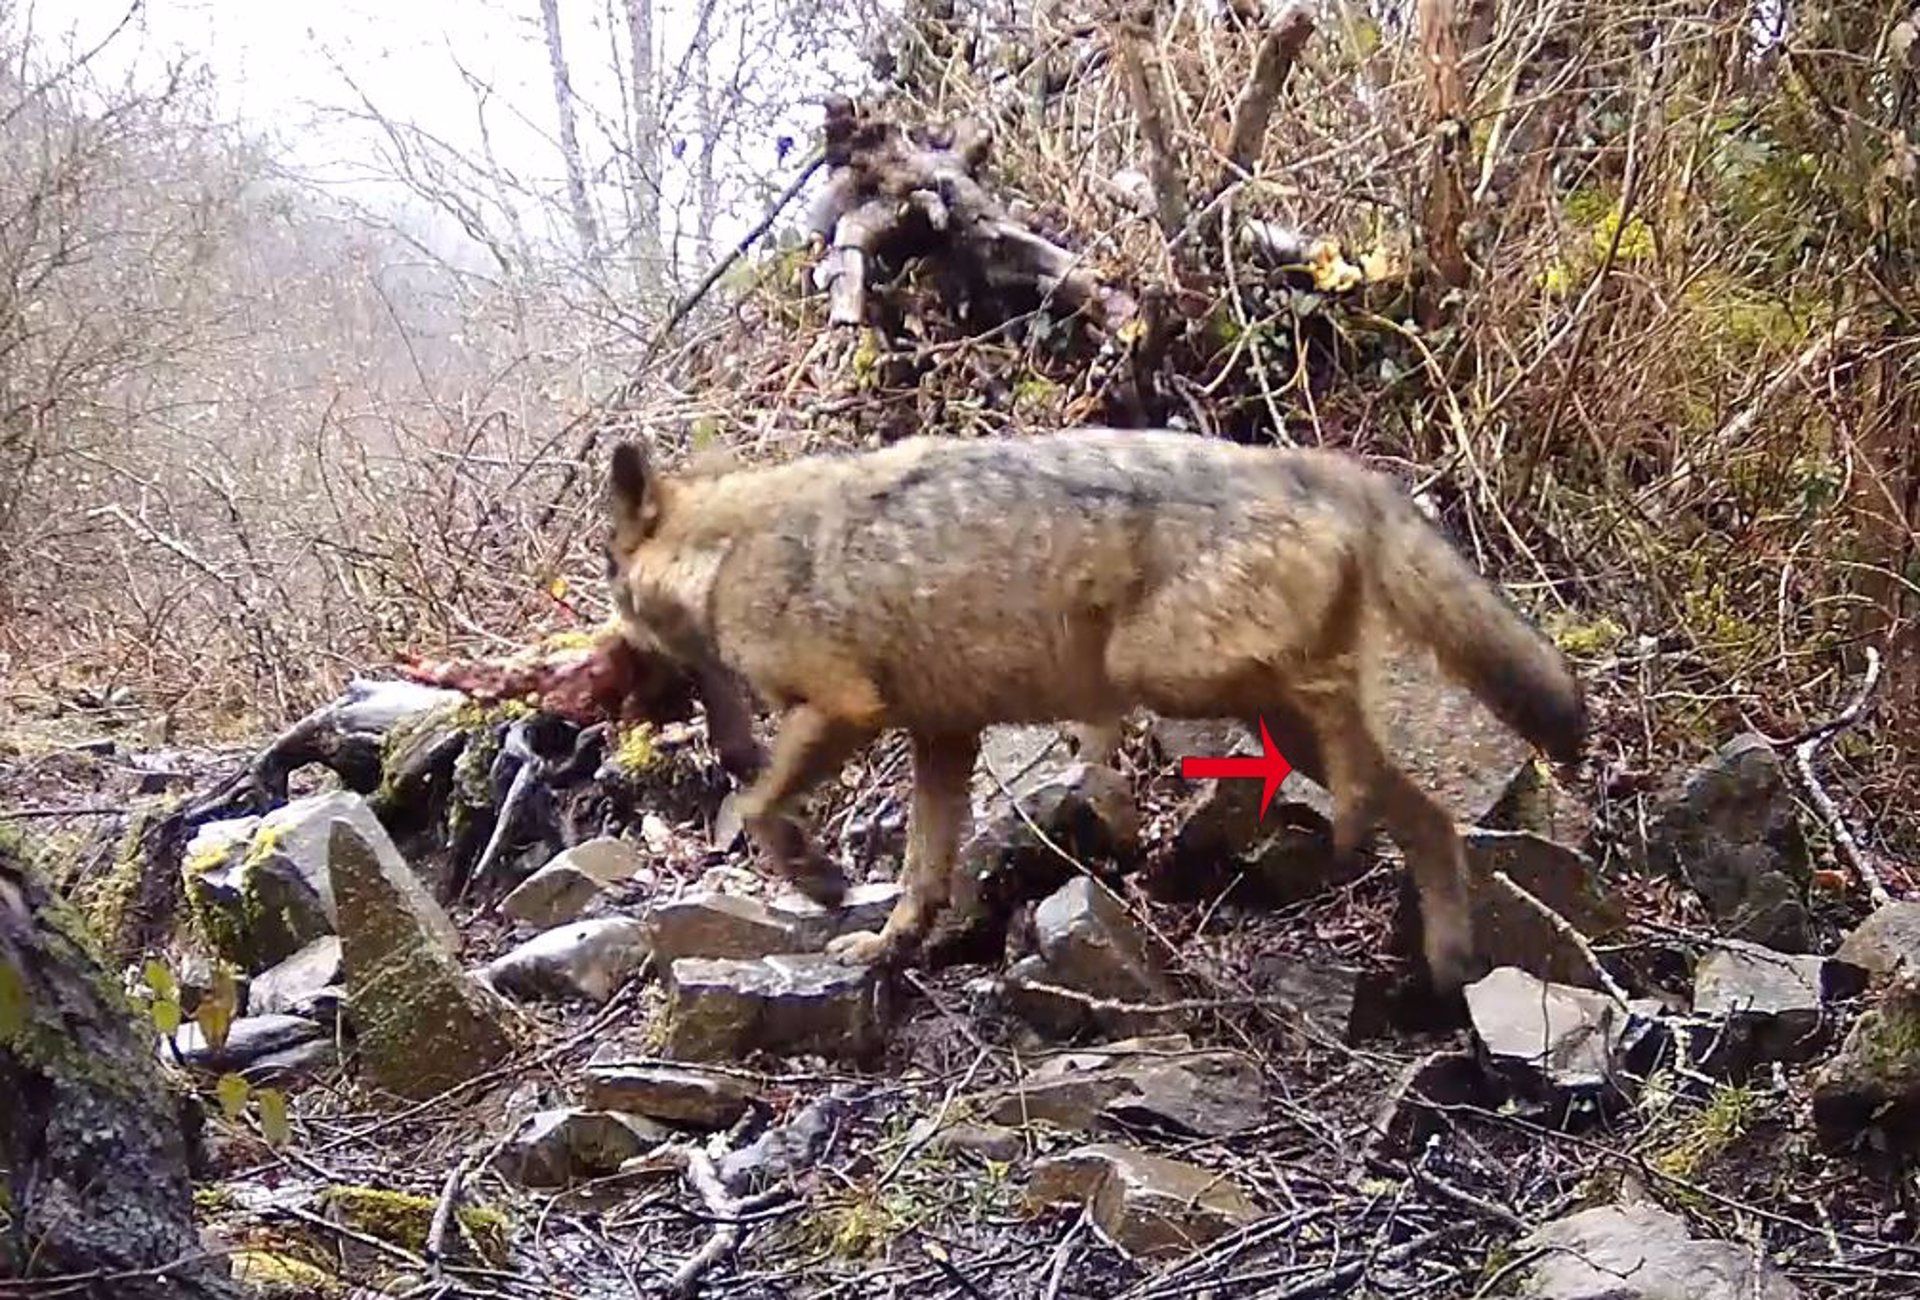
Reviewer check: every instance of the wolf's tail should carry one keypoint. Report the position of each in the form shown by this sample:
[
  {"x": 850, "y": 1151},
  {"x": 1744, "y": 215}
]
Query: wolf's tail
[{"x": 1435, "y": 597}]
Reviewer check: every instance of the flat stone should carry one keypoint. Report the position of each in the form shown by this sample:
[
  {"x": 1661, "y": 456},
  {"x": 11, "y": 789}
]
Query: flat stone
[
  {"x": 294, "y": 985},
  {"x": 1773, "y": 1002},
  {"x": 1641, "y": 1252},
  {"x": 421, "y": 1024},
  {"x": 1152, "y": 1206},
  {"x": 302, "y": 1061},
  {"x": 561, "y": 890},
  {"x": 987, "y": 1141},
  {"x": 732, "y": 926},
  {"x": 670, "y": 1094},
  {"x": 248, "y": 1038},
  {"x": 586, "y": 961},
  {"x": 558, "y": 1147},
  {"x": 1409, "y": 1114},
  {"x": 1279, "y": 858},
  {"x": 1732, "y": 831},
  {"x": 1212, "y": 1093},
  {"x": 784, "y": 1004},
  {"x": 1885, "y": 941},
  {"x": 1091, "y": 944},
  {"x": 1545, "y": 1041}
]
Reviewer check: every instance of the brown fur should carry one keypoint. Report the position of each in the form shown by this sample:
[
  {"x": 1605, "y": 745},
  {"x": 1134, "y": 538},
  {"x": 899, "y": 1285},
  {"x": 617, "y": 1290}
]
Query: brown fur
[{"x": 944, "y": 585}]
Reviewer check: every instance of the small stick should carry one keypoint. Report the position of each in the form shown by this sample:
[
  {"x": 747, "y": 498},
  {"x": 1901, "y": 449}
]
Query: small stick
[
  {"x": 1566, "y": 930},
  {"x": 1803, "y": 752},
  {"x": 443, "y": 1214}
]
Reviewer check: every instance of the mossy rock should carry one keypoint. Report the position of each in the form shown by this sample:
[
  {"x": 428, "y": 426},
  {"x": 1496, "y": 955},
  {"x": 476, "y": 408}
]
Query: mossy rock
[
  {"x": 405, "y": 1219},
  {"x": 275, "y": 1276}
]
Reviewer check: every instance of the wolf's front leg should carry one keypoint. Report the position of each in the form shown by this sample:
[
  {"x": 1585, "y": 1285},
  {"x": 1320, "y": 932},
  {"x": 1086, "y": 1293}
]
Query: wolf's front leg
[
  {"x": 812, "y": 745},
  {"x": 942, "y": 769}
]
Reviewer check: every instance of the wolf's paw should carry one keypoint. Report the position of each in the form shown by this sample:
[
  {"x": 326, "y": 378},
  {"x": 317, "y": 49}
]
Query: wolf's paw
[{"x": 860, "y": 948}]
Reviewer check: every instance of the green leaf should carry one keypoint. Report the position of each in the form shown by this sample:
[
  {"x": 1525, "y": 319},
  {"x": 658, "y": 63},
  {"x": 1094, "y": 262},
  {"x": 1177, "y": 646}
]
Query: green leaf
[
  {"x": 232, "y": 1091},
  {"x": 166, "y": 1015},
  {"x": 273, "y": 1116},
  {"x": 161, "y": 980}
]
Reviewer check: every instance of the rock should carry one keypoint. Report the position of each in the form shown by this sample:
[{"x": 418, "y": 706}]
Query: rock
[
  {"x": 560, "y": 891},
  {"x": 1535, "y": 802},
  {"x": 725, "y": 1008},
  {"x": 1732, "y": 832},
  {"x": 1888, "y": 939},
  {"x": 1278, "y": 859},
  {"x": 1014, "y": 856},
  {"x": 670, "y": 1094},
  {"x": 248, "y": 1039},
  {"x": 1510, "y": 932},
  {"x": 1016, "y": 760},
  {"x": 1150, "y": 1205},
  {"x": 785, "y": 1150},
  {"x": 1091, "y": 944},
  {"x": 305, "y": 1060},
  {"x": 719, "y": 925},
  {"x": 1407, "y": 1117},
  {"x": 1159, "y": 1084},
  {"x": 262, "y": 891},
  {"x": 557, "y": 1147},
  {"x": 988, "y": 1141},
  {"x": 1547, "y": 1043},
  {"x": 1444, "y": 739},
  {"x": 1326, "y": 994},
  {"x": 1641, "y": 1252},
  {"x": 421, "y": 1024},
  {"x": 296, "y": 984},
  {"x": 1031, "y": 995},
  {"x": 586, "y": 961},
  {"x": 1873, "y": 1081},
  {"x": 380, "y": 706},
  {"x": 1772, "y": 1002}
]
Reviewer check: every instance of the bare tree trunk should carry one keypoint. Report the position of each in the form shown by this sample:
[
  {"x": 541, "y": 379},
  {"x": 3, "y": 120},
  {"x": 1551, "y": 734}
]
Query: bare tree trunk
[
  {"x": 706, "y": 185},
  {"x": 91, "y": 1145},
  {"x": 583, "y": 223},
  {"x": 644, "y": 144},
  {"x": 1445, "y": 205}
]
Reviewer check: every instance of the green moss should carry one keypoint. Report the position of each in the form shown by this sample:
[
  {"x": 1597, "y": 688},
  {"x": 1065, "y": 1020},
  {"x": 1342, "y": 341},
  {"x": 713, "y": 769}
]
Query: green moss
[
  {"x": 635, "y": 752},
  {"x": 1585, "y": 638},
  {"x": 1725, "y": 1118},
  {"x": 405, "y": 1219},
  {"x": 272, "y": 1274}
]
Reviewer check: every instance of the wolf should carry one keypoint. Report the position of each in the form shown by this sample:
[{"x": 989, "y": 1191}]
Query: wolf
[{"x": 944, "y": 585}]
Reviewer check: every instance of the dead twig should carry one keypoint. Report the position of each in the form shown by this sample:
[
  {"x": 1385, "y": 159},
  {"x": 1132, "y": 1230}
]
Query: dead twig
[
  {"x": 1844, "y": 841},
  {"x": 1254, "y": 109},
  {"x": 1565, "y": 928}
]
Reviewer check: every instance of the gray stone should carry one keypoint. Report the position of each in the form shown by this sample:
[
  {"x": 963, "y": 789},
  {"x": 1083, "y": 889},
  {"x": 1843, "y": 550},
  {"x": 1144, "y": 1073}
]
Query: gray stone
[
  {"x": 301, "y": 1061},
  {"x": 1031, "y": 995},
  {"x": 1280, "y": 858},
  {"x": 1885, "y": 941},
  {"x": 1435, "y": 730},
  {"x": 1152, "y": 1206},
  {"x": 1014, "y": 856},
  {"x": 295, "y": 984},
  {"x": 1545, "y": 1042},
  {"x": 1873, "y": 1081},
  {"x": 1091, "y": 944},
  {"x": 988, "y": 1141},
  {"x": 262, "y": 889},
  {"x": 559, "y": 1147},
  {"x": 1327, "y": 994},
  {"x": 421, "y": 1024},
  {"x": 1641, "y": 1252},
  {"x": 248, "y": 1039},
  {"x": 586, "y": 961},
  {"x": 1772, "y": 1001},
  {"x": 1410, "y": 1113},
  {"x": 671, "y": 1094},
  {"x": 1733, "y": 833},
  {"x": 718, "y": 925},
  {"x": 1142, "y": 1084},
  {"x": 784, "y": 1004},
  {"x": 560, "y": 891},
  {"x": 1510, "y": 932}
]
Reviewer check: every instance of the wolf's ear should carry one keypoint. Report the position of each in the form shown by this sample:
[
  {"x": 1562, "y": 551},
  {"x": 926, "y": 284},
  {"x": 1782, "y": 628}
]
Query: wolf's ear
[{"x": 632, "y": 493}]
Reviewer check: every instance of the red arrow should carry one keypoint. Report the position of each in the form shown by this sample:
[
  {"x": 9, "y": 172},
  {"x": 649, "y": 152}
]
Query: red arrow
[{"x": 1270, "y": 766}]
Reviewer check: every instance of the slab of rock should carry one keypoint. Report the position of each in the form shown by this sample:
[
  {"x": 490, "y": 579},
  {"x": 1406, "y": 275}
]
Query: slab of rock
[
  {"x": 1546, "y": 1042},
  {"x": 719, "y": 925},
  {"x": 1442, "y": 737},
  {"x": 1641, "y": 1252},
  {"x": 1733, "y": 833},
  {"x": 248, "y": 1039},
  {"x": 1326, "y": 994},
  {"x": 261, "y": 888},
  {"x": 1144, "y": 1083},
  {"x": 304, "y": 1060},
  {"x": 421, "y": 1024},
  {"x": 1773, "y": 1002},
  {"x": 586, "y": 961},
  {"x": 1509, "y": 931},
  {"x": 724, "y": 1008},
  {"x": 671, "y": 1094},
  {"x": 1873, "y": 1081},
  {"x": 988, "y": 1141},
  {"x": 559, "y": 1147},
  {"x": 1885, "y": 941},
  {"x": 297, "y": 984},
  {"x": 1014, "y": 855},
  {"x": 1090, "y": 943},
  {"x": 1152, "y": 1206},
  {"x": 1223, "y": 841},
  {"x": 560, "y": 891},
  {"x": 1408, "y": 1115}
]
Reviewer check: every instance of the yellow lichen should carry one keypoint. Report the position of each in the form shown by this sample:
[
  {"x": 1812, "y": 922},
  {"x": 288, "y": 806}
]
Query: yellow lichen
[
  {"x": 635, "y": 752},
  {"x": 268, "y": 1273},
  {"x": 405, "y": 1219}
]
